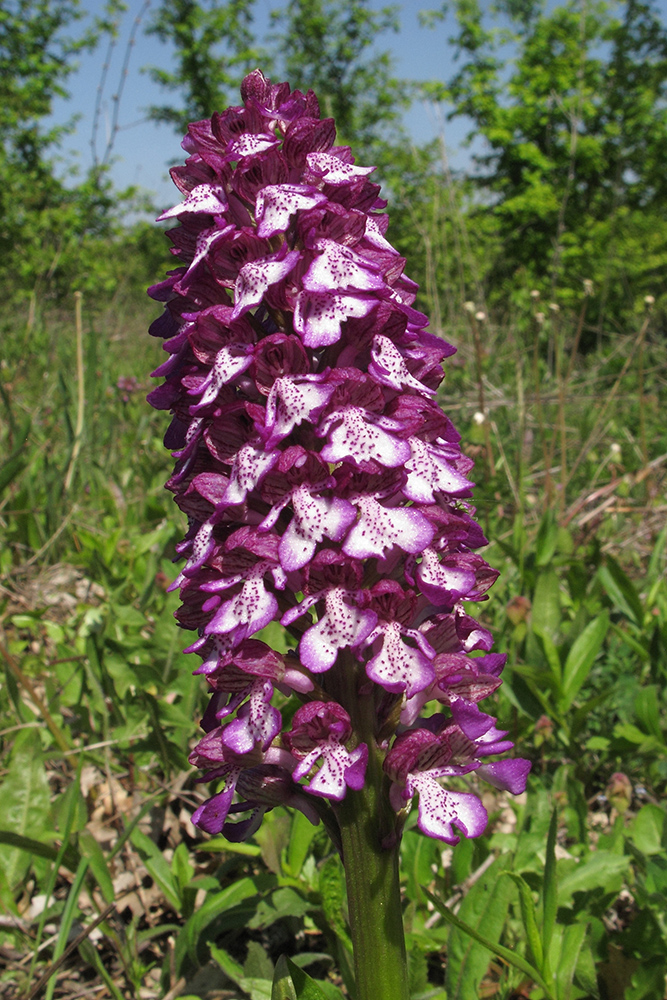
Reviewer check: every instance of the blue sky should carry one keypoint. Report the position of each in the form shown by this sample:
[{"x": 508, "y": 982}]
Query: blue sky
[{"x": 143, "y": 150}]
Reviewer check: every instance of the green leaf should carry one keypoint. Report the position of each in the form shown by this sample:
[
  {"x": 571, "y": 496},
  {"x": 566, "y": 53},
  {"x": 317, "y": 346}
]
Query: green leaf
[
  {"x": 468, "y": 955},
  {"x": 648, "y": 830},
  {"x": 92, "y": 852},
  {"x": 284, "y": 902},
  {"x": 67, "y": 919},
  {"x": 529, "y": 917},
  {"x": 602, "y": 870},
  {"x": 549, "y": 888},
  {"x": 301, "y": 837},
  {"x": 157, "y": 867},
  {"x": 492, "y": 946},
  {"x": 418, "y": 853},
  {"x": 648, "y": 981},
  {"x": 647, "y": 710},
  {"x": 332, "y": 891},
  {"x": 580, "y": 659},
  {"x": 572, "y": 939},
  {"x": 547, "y": 539},
  {"x": 231, "y": 907},
  {"x": 621, "y": 590},
  {"x": 181, "y": 868},
  {"x": 221, "y": 843},
  {"x": 25, "y": 803},
  {"x": 38, "y": 848},
  {"x": 292, "y": 983},
  {"x": 258, "y": 988},
  {"x": 546, "y": 613}
]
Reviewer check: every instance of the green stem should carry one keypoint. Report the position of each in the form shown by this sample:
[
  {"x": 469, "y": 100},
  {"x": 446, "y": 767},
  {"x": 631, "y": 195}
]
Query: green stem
[{"x": 371, "y": 871}]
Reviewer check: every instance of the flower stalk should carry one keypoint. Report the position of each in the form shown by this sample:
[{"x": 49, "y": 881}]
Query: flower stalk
[{"x": 324, "y": 489}]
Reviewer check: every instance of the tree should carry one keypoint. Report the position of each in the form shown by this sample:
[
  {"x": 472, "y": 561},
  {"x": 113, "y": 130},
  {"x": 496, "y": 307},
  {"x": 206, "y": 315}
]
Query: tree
[
  {"x": 44, "y": 222},
  {"x": 570, "y": 104},
  {"x": 214, "y": 49},
  {"x": 326, "y": 46}
]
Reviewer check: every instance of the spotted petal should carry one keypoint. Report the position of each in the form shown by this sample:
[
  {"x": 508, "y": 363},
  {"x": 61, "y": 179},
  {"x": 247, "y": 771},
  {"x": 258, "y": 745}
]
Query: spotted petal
[
  {"x": 379, "y": 528},
  {"x": 256, "y": 277},
  {"x": 359, "y": 436},
  {"x": 388, "y": 367},
  {"x": 249, "y": 144},
  {"x": 318, "y": 315},
  {"x": 342, "y": 625},
  {"x": 314, "y": 517},
  {"x": 256, "y": 722},
  {"x": 340, "y": 769},
  {"x": 430, "y": 473},
  {"x": 292, "y": 400},
  {"x": 440, "y": 810},
  {"x": 338, "y": 269},
  {"x": 248, "y": 611},
  {"x": 227, "y": 365},
  {"x": 334, "y": 171},
  {"x": 444, "y": 582},
  {"x": 208, "y": 198},
  {"x": 248, "y": 467},
  {"x": 277, "y": 203},
  {"x": 399, "y": 667}
]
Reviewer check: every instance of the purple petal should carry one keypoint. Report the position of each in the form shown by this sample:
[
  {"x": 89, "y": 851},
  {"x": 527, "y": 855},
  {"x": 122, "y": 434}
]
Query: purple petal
[
  {"x": 249, "y": 611},
  {"x": 256, "y": 277},
  {"x": 356, "y": 436},
  {"x": 446, "y": 582},
  {"x": 334, "y": 171},
  {"x": 399, "y": 667},
  {"x": 429, "y": 472},
  {"x": 318, "y": 315},
  {"x": 292, "y": 400},
  {"x": 211, "y": 815},
  {"x": 277, "y": 203},
  {"x": 340, "y": 770},
  {"x": 314, "y": 517},
  {"x": 256, "y": 722},
  {"x": 248, "y": 467},
  {"x": 208, "y": 198},
  {"x": 388, "y": 367},
  {"x": 509, "y": 775},
  {"x": 250, "y": 145},
  {"x": 339, "y": 269},
  {"x": 472, "y": 721},
  {"x": 342, "y": 625},
  {"x": 379, "y": 528},
  {"x": 226, "y": 367},
  {"x": 440, "y": 810}
]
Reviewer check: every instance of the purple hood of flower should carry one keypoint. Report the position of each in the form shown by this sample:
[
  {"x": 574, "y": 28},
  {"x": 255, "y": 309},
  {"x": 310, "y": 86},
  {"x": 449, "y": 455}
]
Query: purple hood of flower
[{"x": 324, "y": 487}]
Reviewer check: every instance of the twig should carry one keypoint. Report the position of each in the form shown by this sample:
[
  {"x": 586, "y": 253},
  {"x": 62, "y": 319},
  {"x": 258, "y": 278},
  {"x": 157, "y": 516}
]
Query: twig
[
  {"x": 79, "y": 939},
  {"x": 610, "y": 396},
  {"x": 27, "y": 684},
  {"x": 78, "y": 431}
]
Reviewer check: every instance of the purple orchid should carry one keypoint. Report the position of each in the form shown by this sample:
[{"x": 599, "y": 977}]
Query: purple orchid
[{"x": 324, "y": 487}]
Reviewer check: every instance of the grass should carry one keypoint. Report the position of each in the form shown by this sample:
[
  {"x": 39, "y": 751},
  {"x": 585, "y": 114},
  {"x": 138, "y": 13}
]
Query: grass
[{"x": 106, "y": 889}]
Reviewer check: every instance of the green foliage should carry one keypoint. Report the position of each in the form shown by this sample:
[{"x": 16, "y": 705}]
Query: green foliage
[
  {"x": 214, "y": 49},
  {"x": 327, "y": 46},
  {"x": 569, "y": 101},
  {"x": 566, "y": 894}
]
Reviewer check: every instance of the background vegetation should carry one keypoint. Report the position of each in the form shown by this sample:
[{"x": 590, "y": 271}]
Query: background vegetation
[{"x": 545, "y": 264}]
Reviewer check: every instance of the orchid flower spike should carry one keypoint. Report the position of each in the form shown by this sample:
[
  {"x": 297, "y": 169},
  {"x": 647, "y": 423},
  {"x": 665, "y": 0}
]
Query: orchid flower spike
[{"x": 324, "y": 488}]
